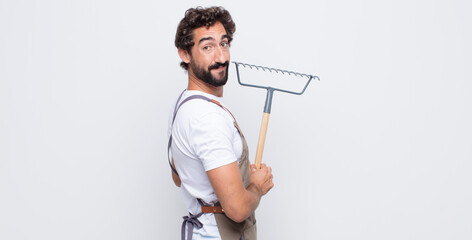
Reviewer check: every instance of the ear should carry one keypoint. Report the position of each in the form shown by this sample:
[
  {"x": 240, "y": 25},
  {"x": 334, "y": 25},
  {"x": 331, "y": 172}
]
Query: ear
[{"x": 184, "y": 55}]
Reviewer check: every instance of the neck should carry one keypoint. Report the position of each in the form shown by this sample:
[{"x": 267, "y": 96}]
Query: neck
[{"x": 195, "y": 83}]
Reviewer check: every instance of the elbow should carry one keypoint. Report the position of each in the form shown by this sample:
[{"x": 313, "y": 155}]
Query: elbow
[
  {"x": 237, "y": 214},
  {"x": 176, "y": 179},
  {"x": 236, "y": 217},
  {"x": 177, "y": 183}
]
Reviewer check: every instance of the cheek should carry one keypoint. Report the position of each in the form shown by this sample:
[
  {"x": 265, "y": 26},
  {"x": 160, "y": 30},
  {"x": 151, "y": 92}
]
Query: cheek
[
  {"x": 227, "y": 54},
  {"x": 206, "y": 60},
  {"x": 200, "y": 59}
]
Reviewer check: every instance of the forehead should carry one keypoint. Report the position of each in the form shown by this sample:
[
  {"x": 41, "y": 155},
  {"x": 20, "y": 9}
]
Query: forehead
[{"x": 215, "y": 31}]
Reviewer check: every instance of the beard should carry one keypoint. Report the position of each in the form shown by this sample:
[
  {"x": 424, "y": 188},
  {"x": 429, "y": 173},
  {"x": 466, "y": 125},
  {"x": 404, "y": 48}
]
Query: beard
[{"x": 206, "y": 76}]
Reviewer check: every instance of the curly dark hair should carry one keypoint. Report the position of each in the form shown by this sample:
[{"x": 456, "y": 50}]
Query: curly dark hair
[{"x": 199, "y": 17}]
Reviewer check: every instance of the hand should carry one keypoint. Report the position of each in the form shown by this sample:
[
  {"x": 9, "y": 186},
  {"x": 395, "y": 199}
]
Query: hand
[{"x": 261, "y": 179}]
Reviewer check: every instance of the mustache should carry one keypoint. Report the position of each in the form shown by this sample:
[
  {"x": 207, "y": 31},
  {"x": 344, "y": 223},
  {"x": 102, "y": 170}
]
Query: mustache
[{"x": 217, "y": 65}]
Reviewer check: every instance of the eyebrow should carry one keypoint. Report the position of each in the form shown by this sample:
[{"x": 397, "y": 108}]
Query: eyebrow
[
  {"x": 206, "y": 38},
  {"x": 211, "y": 38}
]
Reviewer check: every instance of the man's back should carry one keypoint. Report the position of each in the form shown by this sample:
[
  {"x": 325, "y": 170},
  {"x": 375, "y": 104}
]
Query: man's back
[{"x": 203, "y": 138}]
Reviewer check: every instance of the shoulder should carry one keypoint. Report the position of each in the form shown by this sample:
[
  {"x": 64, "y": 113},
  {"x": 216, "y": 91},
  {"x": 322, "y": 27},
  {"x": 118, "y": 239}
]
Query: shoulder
[
  {"x": 207, "y": 132},
  {"x": 199, "y": 110},
  {"x": 200, "y": 114},
  {"x": 198, "y": 107}
]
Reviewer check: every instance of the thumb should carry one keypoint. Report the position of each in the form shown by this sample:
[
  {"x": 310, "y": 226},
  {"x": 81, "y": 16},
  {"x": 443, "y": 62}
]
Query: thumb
[{"x": 253, "y": 167}]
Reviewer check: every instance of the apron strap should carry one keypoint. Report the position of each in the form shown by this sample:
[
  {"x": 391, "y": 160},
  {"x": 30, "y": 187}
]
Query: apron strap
[
  {"x": 177, "y": 107},
  {"x": 235, "y": 122},
  {"x": 217, "y": 204},
  {"x": 190, "y": 221},
  {"x": 170, "y": 137}
]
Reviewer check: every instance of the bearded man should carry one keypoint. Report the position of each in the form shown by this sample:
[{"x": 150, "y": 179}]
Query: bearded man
[{"x": 209, "y": 162}]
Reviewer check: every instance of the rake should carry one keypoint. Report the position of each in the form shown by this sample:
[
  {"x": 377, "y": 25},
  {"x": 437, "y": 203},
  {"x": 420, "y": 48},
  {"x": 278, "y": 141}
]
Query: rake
[{"x": 268, "y": 102}]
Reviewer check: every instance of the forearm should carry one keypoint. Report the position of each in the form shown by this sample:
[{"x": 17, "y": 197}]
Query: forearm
[
  {"x": 252, "y": 202},
  {"x": 243, "y": 205},
  {"x": 237, "y": 201}
]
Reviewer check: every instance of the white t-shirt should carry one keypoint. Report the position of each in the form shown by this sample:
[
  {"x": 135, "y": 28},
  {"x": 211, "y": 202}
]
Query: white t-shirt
[{"x": 203, "y": 138}]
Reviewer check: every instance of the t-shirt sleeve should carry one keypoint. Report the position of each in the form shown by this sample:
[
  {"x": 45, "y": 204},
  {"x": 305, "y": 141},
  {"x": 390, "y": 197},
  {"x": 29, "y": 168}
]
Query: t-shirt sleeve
[{"x": 211, "y": 140}]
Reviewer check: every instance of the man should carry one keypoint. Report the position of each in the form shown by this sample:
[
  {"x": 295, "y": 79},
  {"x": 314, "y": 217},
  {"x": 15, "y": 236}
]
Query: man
[{"x": 220, "y": 189}]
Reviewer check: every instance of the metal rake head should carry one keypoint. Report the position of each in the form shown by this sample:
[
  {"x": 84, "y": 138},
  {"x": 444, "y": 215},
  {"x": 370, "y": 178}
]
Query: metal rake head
[
  {"x": 270, "y": 90},
  {"x": 276, "y": 70}
]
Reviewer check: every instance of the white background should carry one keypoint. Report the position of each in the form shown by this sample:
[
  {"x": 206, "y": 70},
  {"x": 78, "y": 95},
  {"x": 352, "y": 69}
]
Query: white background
[{"x": 380, "y": 148}]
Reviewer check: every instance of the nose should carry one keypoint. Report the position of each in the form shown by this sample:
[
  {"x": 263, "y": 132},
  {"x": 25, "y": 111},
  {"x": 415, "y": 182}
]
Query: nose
[{"x": 221, "y": 54}]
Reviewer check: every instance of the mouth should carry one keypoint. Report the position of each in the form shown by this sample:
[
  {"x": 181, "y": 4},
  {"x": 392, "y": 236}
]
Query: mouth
[{"x": 219, "y": 67}]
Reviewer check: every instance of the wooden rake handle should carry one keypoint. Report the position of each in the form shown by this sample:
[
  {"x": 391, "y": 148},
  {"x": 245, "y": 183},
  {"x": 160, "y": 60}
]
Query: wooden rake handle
[
  {"x": 261, "y": 141},
  {"x": 265, "y": 123}
]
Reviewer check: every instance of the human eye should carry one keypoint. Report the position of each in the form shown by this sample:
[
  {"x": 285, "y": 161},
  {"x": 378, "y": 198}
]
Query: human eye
[
  {"x": 225, "y": 44},
  {"x": 206, "y": 48}
]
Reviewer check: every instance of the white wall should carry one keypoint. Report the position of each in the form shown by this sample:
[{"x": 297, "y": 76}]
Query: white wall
[{"x": 380, "y": 148}]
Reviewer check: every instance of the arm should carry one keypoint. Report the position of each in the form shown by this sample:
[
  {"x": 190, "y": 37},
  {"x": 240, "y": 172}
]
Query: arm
[
  {"x": 212, "y": 137},
  {"x": 176, "y": 178},
  {"x": 237, "y": 201}
]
